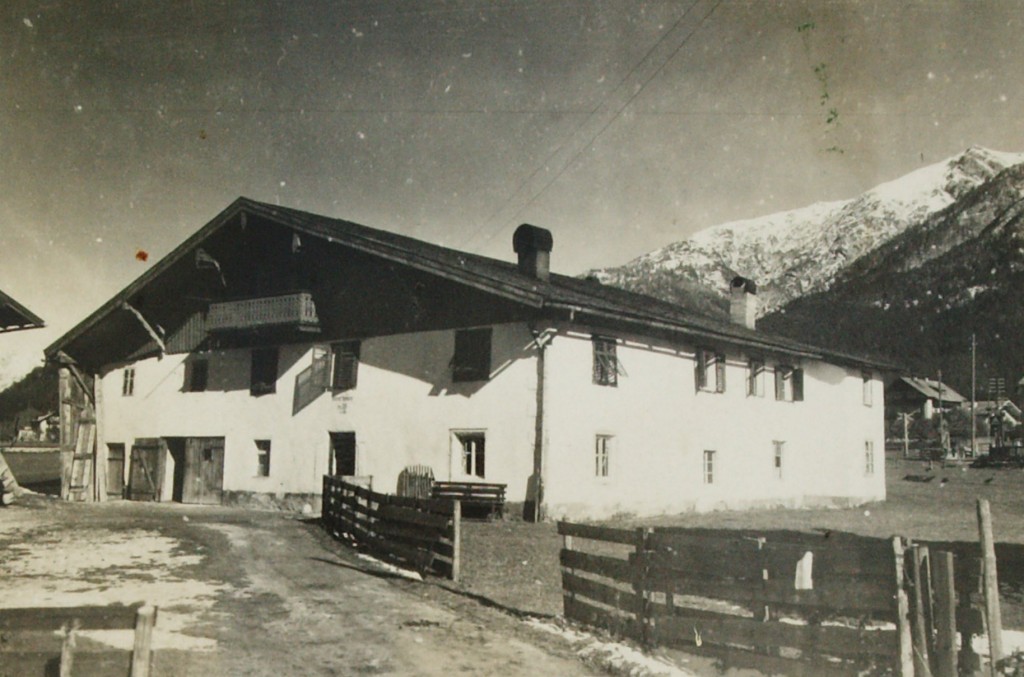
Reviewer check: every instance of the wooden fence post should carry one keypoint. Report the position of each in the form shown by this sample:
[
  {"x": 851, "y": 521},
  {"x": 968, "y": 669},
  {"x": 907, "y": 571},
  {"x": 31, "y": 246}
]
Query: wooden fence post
[
  {"x": 945, "y": 614},
  {"x": 993, "y": 614},
  {"x": 456, "y": 540},
  {"x": 641, "y": 587},
  {"x": 906, "y": 666},
  {"x": 142, "y": 651},
  {"x": 921, "y": 617}
]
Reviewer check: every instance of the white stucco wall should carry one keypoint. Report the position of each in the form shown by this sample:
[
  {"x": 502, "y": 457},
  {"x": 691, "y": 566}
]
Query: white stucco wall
[
  {"x": 405, "y": 409},
  {"x": 662, "y": 425},
  {"x": 403, "y": 412}
]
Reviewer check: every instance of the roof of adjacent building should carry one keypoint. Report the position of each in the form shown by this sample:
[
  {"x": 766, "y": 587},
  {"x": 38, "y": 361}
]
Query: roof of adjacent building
[
  {"x": 580, "y": 299},
  {"x": 933, "y": 389},
  {"x": 14, "y": 316}
]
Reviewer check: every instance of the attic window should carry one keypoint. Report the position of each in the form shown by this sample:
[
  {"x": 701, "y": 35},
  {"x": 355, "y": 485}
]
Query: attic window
[
  {"x": 868, "y": 394},
  {"x": 197, "y": 373},
  {"x": 606, "y": 362},
  {"x": 709, "y": 371},
  {"x": 472, "y": 359},
  {"x": 128, "y": 382},
  {"x": 263, "y": 371},
  {"x": 755, "y": 377},
  {"x": 789, "y": 384}
]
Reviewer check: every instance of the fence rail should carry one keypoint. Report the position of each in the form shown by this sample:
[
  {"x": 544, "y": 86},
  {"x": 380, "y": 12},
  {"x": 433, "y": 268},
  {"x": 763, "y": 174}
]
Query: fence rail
[
  {"x": 794, "y": 602},
  {"x": 421, "y": 533}
]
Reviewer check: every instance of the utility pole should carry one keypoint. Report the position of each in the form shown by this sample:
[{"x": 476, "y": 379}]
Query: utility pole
[
  {"x": 905, "y": 417},
  {"x": 974, "y": 379}
]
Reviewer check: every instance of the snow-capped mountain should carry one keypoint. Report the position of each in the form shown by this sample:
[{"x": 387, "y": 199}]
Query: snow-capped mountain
[{"x": 798, "y": 252}]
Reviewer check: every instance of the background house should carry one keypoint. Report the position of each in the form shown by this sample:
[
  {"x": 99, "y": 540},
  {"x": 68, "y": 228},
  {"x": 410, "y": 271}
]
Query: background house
[
  {"x": 923, "y": 396},
  {"x": 275, "y": 346}
]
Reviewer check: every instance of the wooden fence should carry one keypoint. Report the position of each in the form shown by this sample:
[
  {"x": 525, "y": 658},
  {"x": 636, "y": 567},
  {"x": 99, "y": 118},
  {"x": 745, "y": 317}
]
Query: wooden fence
[
  {"x": 417, "y": 532},
  {"x": 789, "y": 602}
]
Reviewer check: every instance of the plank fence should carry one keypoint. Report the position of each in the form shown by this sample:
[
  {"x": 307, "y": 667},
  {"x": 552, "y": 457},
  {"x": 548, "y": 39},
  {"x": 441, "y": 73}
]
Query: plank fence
[
  {"x": 27, "y": 641},
  {"x": 417, "y": 532},
  {"x": 784, "y": 602}
]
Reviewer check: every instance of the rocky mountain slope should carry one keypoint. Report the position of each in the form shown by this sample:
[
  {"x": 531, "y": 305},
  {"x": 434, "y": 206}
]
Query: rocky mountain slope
[{"x": 803, "y": 251}]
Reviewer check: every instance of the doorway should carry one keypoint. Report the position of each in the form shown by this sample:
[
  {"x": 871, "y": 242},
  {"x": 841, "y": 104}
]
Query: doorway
[
  {"x": 198, "y": 469},
  {"x": 343, "y": 454}
]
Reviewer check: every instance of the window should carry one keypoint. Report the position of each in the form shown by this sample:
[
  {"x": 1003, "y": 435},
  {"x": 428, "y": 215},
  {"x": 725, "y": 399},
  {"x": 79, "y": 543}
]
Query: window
[
  {"x": 472, "y": 448},
  {"x": 602, "y": 455},
  {"x": 606, "y": 361},
  {"x": 128, "y": 382},
  {"x": 263, "y": 371},
  {"x": 868, "y": 391},
  {"x": 710, "y": 371},
  {"x": 789, "y": 384},
  {"x": 709, "y": 466},
  {"x": 472, "y": 360},
  {"x": 346, "y": 365},
  {"x": 869, "y": 458},
  {"x": 755, "y": 377},
  {"x": 777, "y": 462},
  {"x": 343, "y": 453},
  {"x": 197, "y": 374},
  {"x": 263, "y": 458}
]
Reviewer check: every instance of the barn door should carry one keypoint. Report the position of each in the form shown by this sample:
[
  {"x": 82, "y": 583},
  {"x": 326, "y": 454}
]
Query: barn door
[
  {"x": 203, "y": 480},
  {"x": 146, "y": 470}
]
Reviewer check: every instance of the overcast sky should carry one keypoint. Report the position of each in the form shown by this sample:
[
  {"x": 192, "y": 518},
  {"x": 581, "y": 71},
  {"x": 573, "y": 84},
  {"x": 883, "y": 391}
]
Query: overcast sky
[{"x": 619, "y": 125}]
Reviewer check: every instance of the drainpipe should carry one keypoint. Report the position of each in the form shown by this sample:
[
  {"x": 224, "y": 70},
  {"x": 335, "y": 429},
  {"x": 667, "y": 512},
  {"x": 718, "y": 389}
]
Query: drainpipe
[{"x": 536, "y": 489}]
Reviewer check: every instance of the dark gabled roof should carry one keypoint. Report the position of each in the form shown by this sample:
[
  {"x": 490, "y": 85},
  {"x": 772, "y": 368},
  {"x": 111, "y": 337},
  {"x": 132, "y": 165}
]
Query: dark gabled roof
[
  {"x": 585, "y": 300},
  {"x": 14, "y": 316}
]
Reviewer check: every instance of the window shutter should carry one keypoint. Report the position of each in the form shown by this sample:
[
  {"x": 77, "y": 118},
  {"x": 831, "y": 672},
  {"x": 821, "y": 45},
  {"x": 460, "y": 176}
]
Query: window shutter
[
  {"x": 321, "y": 367},
  {"x": 798, "y": 385},
  {"x": 720, "y": 373},
  {"x": 700, "y": 375},
  {"x": 780, "y": 383},
  {"x": 346, "y": 365}
]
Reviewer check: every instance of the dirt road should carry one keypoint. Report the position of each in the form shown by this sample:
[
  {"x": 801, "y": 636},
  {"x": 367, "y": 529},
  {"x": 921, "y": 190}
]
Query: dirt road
[{"x": 256, "y": 593}]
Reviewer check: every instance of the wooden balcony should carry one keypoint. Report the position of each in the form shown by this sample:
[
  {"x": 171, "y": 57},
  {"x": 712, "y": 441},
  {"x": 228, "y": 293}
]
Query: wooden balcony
[{"x": 294, "y": 310}]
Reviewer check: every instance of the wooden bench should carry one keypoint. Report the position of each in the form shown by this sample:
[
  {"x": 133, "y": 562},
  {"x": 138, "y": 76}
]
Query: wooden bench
[
  {"x": 28, "y": 658},
  {"x": 485, "y": 498}
]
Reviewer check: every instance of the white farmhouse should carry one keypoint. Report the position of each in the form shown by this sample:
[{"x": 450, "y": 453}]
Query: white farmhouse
[{"x": 275, "y": 346}]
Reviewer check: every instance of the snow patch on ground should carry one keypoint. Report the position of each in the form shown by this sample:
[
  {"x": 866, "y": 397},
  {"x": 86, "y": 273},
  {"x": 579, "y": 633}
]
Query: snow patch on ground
[
  {"x": 391, "y": 568},
  {"x": 620, "y": 658},
  {"x": 65, "y": 568}
]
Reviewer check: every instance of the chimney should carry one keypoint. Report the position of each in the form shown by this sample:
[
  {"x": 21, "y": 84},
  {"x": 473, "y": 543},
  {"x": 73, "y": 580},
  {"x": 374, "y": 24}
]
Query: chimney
[
  {"x": 743, "y": 301},
  {"x": 533, "y": 245}
]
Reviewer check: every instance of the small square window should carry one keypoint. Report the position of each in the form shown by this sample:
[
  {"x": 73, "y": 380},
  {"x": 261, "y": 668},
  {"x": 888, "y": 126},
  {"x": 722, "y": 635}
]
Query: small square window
[
  {"x": 473, "y": 451},
  {"x": 709, "y": 371},
  {"x": 263, "y": 371},
  {"x": 197, "y": 374},
  {"x": 606, "y": 361},
  {"x": 346, "y": 365},
  {"x": 755, "y": 377},
  {"x": 128, "y": 382},
  {"x": 709, "y": 466},
  {"x": 602, "y": 455},
  {"x": 779, "y": 450},
  {"x": 789, "y": 384},
  {"x": 472, "y": 359},
  {"x": 262, "y": 458}
]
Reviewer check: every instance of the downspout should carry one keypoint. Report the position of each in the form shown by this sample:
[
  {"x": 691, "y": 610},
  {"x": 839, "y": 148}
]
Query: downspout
[{"x": 536, "y": 489}]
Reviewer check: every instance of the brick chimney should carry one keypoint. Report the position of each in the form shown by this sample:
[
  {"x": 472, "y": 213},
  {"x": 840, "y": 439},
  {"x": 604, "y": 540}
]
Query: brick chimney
[
  {"x": 533, "y": 245},
  {"x": 743, "y": 301}
]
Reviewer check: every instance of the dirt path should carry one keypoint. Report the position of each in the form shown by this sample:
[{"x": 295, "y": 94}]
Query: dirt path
[{"x": 256, "y": 593}]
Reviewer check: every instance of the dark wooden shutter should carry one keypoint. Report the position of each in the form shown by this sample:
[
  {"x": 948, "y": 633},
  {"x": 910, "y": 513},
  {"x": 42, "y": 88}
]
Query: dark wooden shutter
[
  {"x": 798, "y": 385},
  {"x": 720, "y": 373},
  {"x": 700, "y": 375}
]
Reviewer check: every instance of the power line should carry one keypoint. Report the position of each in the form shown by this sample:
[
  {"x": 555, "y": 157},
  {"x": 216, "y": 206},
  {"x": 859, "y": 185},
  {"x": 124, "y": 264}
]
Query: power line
[{"x": 681, "y": 33}]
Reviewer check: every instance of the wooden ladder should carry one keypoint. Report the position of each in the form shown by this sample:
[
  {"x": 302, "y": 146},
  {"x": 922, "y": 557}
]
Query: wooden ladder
[{"x": 82, "y": 462}]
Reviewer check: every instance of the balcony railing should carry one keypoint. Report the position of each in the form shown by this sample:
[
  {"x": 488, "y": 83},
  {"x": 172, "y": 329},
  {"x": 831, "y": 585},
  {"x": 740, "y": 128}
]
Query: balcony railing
[{"x": 289, "y": 310}]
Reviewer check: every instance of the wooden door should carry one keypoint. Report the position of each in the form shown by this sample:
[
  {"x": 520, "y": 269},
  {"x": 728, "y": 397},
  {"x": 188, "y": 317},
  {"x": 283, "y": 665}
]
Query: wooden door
[
  {"x": 115, "y": 471},
  {"x": 343, "y": 454},
  {"x": 203, "y": 480},
  {"x": 146, "y": 471}
]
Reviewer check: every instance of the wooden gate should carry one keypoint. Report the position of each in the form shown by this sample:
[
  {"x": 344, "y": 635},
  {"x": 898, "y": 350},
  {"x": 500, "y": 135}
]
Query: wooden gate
[{"x": 146, "y": 472}]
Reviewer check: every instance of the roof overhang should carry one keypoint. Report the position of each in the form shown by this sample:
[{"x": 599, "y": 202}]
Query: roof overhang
[{"x": 16, "y": 317}]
